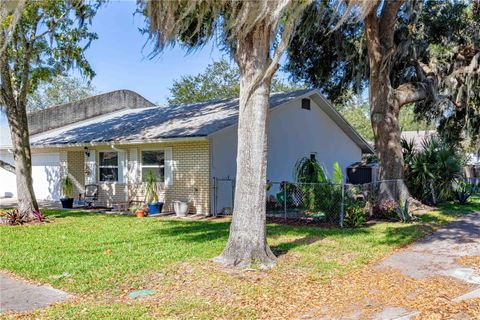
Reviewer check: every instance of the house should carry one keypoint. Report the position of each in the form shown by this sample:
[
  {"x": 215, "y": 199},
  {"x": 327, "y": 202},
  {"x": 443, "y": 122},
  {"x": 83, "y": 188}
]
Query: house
[
  {"x": 417, "y": 136},
  {"x": 113, "y": 139}
]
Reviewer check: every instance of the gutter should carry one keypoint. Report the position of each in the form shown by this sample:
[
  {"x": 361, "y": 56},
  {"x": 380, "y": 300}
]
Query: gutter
[{"x": 121, "y": 143}]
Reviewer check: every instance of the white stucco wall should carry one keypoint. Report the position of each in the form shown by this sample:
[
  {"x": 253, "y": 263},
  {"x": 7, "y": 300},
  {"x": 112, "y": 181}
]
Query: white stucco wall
[
  {"x": 293, "y": 133},
  {"x": 46, "y": 174}
]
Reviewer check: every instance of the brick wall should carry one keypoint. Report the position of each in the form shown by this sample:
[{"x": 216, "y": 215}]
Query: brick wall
[
  {"x": 109, "y": 193},
  {"x": 190, "y": 173},
  {"x": 76, "y": 171},
  {"x": 191, "y": 176}
]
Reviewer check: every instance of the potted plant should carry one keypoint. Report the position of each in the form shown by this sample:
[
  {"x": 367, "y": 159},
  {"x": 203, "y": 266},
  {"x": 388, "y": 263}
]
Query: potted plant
[
  {"x": 67, "y": 192},
  {"x": 140, "y": 212},
  {"x": 151, "y": 194}
]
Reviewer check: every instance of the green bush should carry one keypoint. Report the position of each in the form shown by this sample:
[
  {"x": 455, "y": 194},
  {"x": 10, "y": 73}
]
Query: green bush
[
  {"x": 355, "y": 215},
  {"x": 67, "y": 187},
  {"x": 431, "y": 169},
  {"x": 318, "y": 192},
  {"x": 463, "y": 190},
  {"x": 404, "y": 213}
]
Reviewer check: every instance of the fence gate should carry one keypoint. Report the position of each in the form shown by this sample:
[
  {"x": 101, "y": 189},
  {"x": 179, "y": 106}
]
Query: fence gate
[{"x": 223, "y": 195}]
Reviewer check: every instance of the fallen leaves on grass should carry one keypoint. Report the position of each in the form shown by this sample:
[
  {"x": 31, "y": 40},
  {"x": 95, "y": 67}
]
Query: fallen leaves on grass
[
  {"x": 286, "y": 293},
  {"x": 473, "y": 262}
]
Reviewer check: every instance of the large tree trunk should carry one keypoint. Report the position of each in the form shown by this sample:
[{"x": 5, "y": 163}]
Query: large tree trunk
[
  {"x": 384, "y": 105},
  {"x": 17, "y": 120},
  {"x": 247, "y": 242},
  {"x": 386, "y": 130}
]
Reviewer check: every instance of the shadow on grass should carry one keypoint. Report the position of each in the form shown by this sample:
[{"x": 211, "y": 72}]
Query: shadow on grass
[
  {"x": 405, "y": 234},
  {"x": 204, "y": 231}
]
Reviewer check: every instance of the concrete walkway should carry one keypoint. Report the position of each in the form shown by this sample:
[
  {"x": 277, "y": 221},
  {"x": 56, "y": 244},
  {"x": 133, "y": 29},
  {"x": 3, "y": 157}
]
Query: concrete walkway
[
  {"x": 6, "y": 203},
  {"x": 437, "y": 254},
  {"x": 18, "y": 295}
]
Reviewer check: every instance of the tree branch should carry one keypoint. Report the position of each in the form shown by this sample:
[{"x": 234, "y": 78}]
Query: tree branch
[
  {"x": 55, "y": 22},
  {"x": 7, "y": 166},
  {"x": 372, "y": 34},
  {"x": 25, "y": 81},
  {"x": 411, "y": 92},
  {"x": 388, "y": 18}
]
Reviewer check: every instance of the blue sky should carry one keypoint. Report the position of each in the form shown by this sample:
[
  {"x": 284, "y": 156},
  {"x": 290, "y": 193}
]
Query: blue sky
[{"x": 121, "y": 61}]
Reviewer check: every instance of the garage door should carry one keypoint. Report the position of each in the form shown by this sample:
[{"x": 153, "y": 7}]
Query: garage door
[
  {"x": 8, "y": 186},
  {"x": 45, "y": 174}
]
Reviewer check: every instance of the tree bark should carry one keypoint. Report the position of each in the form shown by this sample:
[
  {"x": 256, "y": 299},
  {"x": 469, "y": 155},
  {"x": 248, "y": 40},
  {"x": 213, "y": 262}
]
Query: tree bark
[
  {"x": 384, "y": 107},
  {"x": 247, "y": 242},
  {"x": 27, "y": 203},
  {"x": 17, "y": 120}
]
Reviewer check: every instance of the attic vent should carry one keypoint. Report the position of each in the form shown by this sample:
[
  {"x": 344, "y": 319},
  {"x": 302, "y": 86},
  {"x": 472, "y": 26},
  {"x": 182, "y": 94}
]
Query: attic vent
[{"x": 306, "y": 104}]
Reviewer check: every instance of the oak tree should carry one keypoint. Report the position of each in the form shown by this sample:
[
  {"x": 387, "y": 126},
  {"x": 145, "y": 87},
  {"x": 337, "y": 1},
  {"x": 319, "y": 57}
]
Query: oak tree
[
  {"x": 42, "y": 40},
  {"x": 255, "y": 33},
  {"x": 421, "y": 52}
]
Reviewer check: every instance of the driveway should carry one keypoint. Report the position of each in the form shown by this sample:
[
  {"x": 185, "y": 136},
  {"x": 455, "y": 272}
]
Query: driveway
[{"x": 43, "y": 204}]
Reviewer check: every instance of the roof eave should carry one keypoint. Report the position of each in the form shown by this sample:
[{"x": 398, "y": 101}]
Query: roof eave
[{"x": 121, "y": 142}]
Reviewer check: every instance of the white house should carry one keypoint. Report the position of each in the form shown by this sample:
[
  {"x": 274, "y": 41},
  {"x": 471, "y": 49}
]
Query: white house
[{"x": 112, "y": 139}]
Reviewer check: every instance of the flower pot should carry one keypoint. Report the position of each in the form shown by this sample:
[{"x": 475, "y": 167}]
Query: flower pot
[
  {"x": 67, "y": 203},
  {"x": 155, "y": 208},
  {"x": 140, "y": 213},
  {"x": 180, "y": 208}
]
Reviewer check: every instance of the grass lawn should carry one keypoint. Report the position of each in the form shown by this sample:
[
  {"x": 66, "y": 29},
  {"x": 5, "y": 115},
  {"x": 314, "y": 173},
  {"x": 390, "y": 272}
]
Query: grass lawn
[{"x": 101, "y": 258}]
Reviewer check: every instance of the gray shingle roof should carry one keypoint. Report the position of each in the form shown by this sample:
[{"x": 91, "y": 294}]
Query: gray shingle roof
[{"x": 159, "y": 122}]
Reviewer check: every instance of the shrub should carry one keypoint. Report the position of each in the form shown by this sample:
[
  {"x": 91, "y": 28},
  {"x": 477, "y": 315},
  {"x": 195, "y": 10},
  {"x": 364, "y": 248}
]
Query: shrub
[
  {"x": 431, "y": 170},
  {"x": 385, "y": 209},
  {"x": 67, "y": 187},
  {"x": 151, "y": 195},
  {"x": 404, "y": 213},
  {"x": 318, "y": 192},
  {"x": 463, "y": 191},
  {"x": 355, "y": 215},
  {"x": 39, "y": 216},
  {"x": 14, "y": 218}
]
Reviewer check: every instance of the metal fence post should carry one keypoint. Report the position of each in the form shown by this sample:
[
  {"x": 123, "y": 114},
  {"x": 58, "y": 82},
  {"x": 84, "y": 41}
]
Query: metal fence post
[
  {"x": 342, "y": 206},
  {"x": 285, "y": 200}
]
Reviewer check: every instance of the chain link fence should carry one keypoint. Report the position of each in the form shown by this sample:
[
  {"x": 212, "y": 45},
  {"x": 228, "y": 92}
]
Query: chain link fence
[
  {"x": 311, "y": 201},
  {"x": 320, "y": 202}
]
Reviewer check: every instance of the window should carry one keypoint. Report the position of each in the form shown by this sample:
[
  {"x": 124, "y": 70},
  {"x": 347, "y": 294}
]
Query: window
[
  {"x": 306, "y": 104},
  {"x": 108, "y": 166},
  {"x": 153, "y": 160}
]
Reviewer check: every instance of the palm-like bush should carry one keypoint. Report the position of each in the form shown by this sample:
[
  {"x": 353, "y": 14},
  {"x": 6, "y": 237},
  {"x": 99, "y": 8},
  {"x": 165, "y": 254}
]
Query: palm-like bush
[
  {"x": 67, "y": 187},
  {"x": 151, "y": 195},
  {"x": 319, "y": 193},
  {"x": 309, "y": 171},
  {"x": 431, "y": 170}
]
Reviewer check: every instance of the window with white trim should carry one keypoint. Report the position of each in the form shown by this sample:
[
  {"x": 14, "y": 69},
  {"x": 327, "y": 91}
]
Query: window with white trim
[
  {"x": 108, "y": 166},
  {"x": 153, "y": 160}
]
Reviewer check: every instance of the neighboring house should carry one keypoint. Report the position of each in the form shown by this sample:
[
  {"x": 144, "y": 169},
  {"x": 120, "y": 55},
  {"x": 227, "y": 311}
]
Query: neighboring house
[
  {"x": 113, "y": 139},
  {"x": 417, "y": 136}
]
